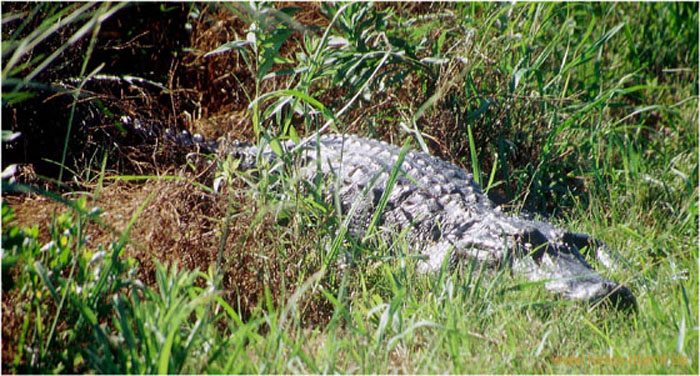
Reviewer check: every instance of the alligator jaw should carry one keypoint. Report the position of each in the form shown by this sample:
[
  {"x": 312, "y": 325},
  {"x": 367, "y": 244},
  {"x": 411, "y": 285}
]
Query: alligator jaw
[{"x": 567, "y": 274}]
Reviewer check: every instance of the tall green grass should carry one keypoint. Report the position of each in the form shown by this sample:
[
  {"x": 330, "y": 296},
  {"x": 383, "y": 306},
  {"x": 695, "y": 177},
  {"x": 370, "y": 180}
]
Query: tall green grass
[{"x": 585, "y": 107}]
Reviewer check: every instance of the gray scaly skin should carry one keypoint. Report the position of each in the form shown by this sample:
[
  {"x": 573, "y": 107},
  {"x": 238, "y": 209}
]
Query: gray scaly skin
[
  {"x": 444, "y": 210},
  {"x": 447, "y": 213}
]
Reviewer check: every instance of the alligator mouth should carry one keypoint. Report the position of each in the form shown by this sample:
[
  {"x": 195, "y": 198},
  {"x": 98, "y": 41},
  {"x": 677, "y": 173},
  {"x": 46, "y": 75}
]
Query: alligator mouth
[
  {"x": 591, "y": 287},
  {"x": 620, "y": 297},
  {"x": 566, "y": 273}
]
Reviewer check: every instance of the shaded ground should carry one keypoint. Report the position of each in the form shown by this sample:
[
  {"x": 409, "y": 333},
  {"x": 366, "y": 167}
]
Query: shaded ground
[{"x": 180, "y": 222}]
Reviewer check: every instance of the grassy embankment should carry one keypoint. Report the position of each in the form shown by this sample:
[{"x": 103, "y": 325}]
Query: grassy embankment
[{"x": 584, "y": 111}]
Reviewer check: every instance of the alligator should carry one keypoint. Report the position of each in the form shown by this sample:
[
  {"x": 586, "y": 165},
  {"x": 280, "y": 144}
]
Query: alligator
[
  {"x": 437, "y": 205},
  {"x": 441, "y": 209}
]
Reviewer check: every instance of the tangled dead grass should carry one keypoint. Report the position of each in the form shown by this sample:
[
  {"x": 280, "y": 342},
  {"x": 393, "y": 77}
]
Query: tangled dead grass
[
  {"x": 183, "y": 225},
  {"x": 180, "y": 223}
]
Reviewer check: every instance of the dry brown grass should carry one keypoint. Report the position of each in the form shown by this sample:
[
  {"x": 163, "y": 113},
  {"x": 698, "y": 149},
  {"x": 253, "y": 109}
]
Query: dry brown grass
[{"x": 181, "y": 223}]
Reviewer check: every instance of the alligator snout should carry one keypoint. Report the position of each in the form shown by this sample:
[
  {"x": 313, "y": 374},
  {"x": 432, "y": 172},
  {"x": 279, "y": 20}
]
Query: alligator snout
[
  {"x": 573, "y": 278},
  {"x": 567, "y": 273}
]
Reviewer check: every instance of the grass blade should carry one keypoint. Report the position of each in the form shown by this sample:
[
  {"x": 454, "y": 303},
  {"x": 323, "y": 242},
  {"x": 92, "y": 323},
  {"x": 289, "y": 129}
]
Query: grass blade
[{"x": 391, "y": 181}]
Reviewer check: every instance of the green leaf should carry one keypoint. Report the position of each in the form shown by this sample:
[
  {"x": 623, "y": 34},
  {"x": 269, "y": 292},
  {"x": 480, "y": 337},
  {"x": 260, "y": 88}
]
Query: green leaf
[
  {"x": 387, "y": 191},
  {"x": 472, "y": 151},
  {"x": 295, "y": 93},
  {"x": 88, "y": 314},
  {"x": 9, "y": 136},
  {"x": 269, "y": 47},
  {"x": 276, "y": 147},
  {"x": 47, "y": 281},
  {"x": 233, "y": 45}
]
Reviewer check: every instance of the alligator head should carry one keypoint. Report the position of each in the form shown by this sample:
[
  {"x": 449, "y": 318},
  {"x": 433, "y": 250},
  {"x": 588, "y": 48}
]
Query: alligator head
[
  {"x": 564, "y": 270},
  {"x": 538, "y": 251}
]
